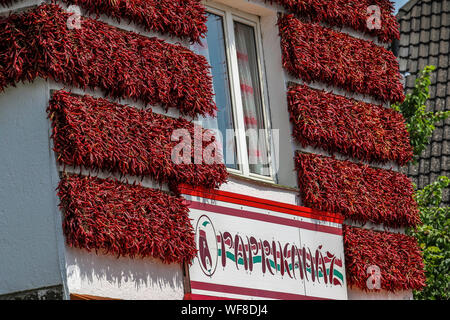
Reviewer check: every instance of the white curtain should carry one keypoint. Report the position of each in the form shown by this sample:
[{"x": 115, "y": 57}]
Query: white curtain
[{"x": 251, "y": 99}]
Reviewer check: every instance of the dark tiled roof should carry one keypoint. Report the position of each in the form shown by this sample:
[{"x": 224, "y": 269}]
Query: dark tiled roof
[{"x": 425, "y": 40}]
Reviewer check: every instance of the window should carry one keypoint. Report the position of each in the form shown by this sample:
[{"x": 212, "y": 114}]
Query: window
[{"x": 232, "y": 47}]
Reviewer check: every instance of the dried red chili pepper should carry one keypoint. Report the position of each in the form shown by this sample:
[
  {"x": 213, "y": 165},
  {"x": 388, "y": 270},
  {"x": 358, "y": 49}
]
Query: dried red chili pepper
[
  {"x": 98, "y": 134},
  {"x": 357, "y": 191},
  {"x": 338, "y": 124},
  {"x": 397, "y": 255},
  {"x": 125, "y": 220},
  {"x": 180, "y": 18},
  {"x": 120, "y": 63},
  {"x": 315, "y": 53},
  {"x": 347, "y": 13}
]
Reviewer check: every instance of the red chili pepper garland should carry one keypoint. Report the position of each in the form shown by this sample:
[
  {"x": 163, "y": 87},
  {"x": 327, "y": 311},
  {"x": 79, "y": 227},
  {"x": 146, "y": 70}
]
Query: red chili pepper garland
[
  {"x": 125, "y": 220},
  {"x": 359, "y": 192},
  {"x": 338, "y": 124},
  {"x": 347, "y": 13},
  {"x": 315, "y": 53},
  {"x": 397, "y": 255},
  {"x": 122, "y": 64},
  {"x": 180, "y": 18},
  {"x": 98, "y": 134}
]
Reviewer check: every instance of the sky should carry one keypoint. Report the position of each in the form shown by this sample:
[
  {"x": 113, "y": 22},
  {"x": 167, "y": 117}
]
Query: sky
[{"x": 399, "y": 4}]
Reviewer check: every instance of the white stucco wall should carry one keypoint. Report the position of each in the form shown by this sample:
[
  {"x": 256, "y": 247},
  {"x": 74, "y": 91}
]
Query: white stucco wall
[
  {"x": 29, "y": 224},
  {"x": 261, "y": 190},
  {"x": 122, "y": 278}
]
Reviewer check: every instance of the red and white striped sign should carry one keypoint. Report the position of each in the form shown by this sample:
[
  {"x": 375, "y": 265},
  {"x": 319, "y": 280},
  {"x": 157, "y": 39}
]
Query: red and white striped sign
[{"x": 252, "y": 248}]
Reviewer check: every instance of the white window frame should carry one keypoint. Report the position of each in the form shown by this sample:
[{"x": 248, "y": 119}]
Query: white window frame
[{"x": 230, "y": 15}]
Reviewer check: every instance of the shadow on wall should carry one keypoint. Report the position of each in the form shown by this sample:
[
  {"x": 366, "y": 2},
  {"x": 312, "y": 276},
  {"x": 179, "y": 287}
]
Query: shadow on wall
[{"x": 105, "y": 275}]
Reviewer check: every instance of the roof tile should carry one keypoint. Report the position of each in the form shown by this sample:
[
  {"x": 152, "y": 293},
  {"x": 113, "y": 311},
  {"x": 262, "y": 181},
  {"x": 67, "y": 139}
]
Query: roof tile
[
  {"x": 446, "y": 6},
  {"x": 436, "y": 149},
  {"x": 442, "y": 75},
  {"x": 424, "y": 166},
  {"x": 446, "y": 135},
  {"x": 438, "y": 134},
  {"x": 425, "y": 36},
  {"x": 415, "y": 24},
  {"x": 435, "y": 165},
  {"x": 413, "y": 170},
  {"x": 445, "y": 163},
  {"x": 416, "y": 11},
  {"x": 404, "y": 40},
  {"x": 446, "y": 146},
  {"x": 441, "y": 90},
  {"x": 427, "y": 152},
  {"x": 423, "y": 49},
  {"x": 439, "y": 105},
  {"x": 445, "y": 33},
  {"x": 405, "y": 25},
  {"x": 443, "y": 47},
  {"x": 445, "y": 18},
  {"x": 433, "y": 176},
  {"x": 435, "y": 21},
  {"x": 436, "y": 7},
  {"x": 412, "y": 68},
  {"x": 434, "y": 48},
  {"x": 435, "y": 34},
  {"x": 425, "y": 23},
  {"x": 403, "y": 52},
  {"x": 445, "y": 194},
  {"x": 410, "y": 80},
  {"x": 443, "y": 61},
  {"x": 433, "y": 60},
  {"x": 423, "y": 62},
  {"x": 426, "y": 8},
  {"x": 414, "y": 51}
]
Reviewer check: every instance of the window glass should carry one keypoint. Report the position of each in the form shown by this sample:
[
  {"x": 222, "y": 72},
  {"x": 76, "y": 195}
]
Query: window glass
[
  {"x": 250, "y": 84},
  {"x": 214, "y": 49},
  {"x": 242, "y": 107}
]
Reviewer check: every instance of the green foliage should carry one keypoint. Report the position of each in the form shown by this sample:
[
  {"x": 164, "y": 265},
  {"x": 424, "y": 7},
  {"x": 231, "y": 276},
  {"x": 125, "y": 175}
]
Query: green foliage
[
  {"x": 434, "y": 238},
  {"x": 433, "y": 235},
  {"x": 419, "y": 122},
  {"x": 431, "y": 195}
]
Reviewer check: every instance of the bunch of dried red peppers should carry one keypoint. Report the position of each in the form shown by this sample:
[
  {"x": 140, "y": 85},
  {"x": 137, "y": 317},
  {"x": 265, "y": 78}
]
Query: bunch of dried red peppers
[
  {"x": 315, "y": 53},
  {"x": 98, "y": 134},
  {"x": 397, "y": 256},
  {"x": 357, "y": 191},
  {"x": 353, "y": 128},
  {"x": 353, "y": 14},
  {"x": 123, "y": 64},
  {"x": 184, "y": 19},
  {"x": 108, "y": 216}
]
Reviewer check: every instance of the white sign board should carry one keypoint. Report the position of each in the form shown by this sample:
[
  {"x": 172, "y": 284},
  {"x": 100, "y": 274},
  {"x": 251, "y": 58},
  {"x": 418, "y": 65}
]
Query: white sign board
[{"x": 250, "y": 248}]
